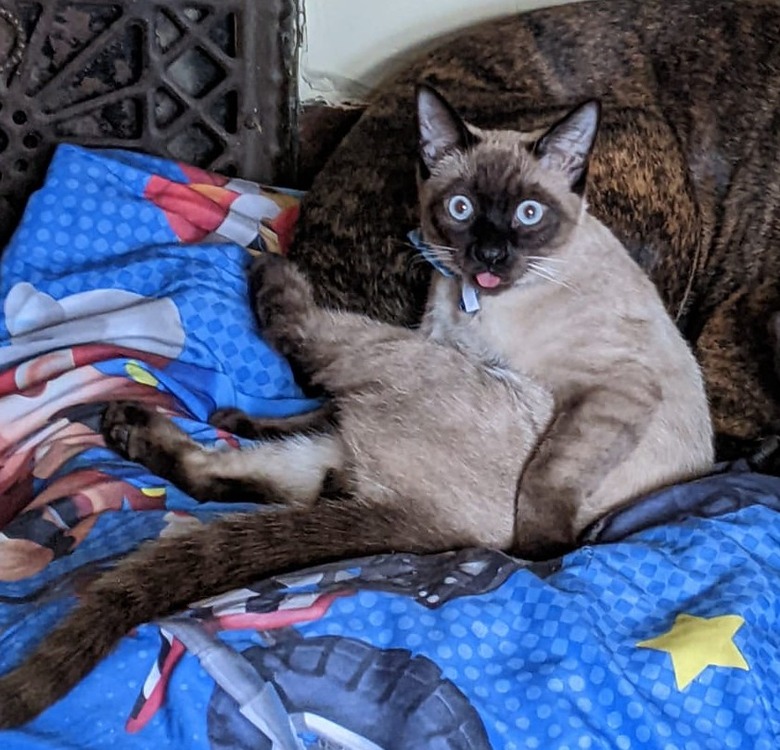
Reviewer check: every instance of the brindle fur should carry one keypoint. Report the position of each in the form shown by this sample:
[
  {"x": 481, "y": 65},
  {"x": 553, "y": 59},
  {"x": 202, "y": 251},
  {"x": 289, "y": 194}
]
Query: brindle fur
[
  {"x": 583, "y": 405},
  {"x": 686, "y": 171}
]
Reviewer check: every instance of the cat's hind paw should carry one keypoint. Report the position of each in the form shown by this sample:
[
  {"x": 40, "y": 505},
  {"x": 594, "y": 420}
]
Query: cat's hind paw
[
  {"x": 139, "y": 433},
  {"x": 121, "y": 420}
]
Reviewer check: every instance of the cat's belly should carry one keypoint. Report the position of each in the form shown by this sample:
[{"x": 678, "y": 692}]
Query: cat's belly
[{"x": 434, "y": 431}]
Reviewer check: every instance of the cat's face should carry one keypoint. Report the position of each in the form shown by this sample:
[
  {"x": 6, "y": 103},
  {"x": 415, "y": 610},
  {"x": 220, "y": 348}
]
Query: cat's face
[{"x": 495, "y": 205}]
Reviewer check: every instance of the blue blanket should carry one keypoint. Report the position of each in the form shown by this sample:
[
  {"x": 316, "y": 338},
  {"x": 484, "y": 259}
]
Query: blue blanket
[{"x": 126, "y": 280}]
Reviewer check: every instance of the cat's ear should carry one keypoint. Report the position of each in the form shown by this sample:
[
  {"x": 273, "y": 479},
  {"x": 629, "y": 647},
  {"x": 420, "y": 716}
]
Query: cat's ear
[
  {"x": 566, "y": 147},
  {"x": 441, "y": 130}
]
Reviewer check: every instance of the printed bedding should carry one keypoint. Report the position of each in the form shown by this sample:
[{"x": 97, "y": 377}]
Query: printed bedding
[{"x": 126, "y": 280}]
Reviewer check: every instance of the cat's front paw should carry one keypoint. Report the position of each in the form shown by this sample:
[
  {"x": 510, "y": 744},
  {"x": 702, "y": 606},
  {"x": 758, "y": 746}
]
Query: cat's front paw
[
  {"x": 282, "y": 299},
  {"x": 127, "y": 427}
]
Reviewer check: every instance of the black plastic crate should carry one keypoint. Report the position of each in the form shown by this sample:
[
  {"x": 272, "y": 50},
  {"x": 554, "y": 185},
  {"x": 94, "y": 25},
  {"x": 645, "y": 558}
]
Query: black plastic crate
[{"x": 210, "y": 83}]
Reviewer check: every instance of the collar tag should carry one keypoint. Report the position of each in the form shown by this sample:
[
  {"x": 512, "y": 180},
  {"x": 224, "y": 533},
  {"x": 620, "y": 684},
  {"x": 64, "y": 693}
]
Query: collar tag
[{"x": 469, "y": 296}]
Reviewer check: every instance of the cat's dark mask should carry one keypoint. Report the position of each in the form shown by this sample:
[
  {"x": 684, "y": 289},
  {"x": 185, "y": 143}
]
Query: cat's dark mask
[{"x": 496, "y": 204}]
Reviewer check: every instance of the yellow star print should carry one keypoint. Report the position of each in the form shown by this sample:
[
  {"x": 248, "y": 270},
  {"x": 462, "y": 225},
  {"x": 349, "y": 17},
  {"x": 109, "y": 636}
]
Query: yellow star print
[
  {"x": 695, "y": 643},
  {"x": 141, "y": 375}
]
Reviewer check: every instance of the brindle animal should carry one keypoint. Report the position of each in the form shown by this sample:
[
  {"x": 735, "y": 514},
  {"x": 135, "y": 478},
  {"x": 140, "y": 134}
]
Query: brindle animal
[{"x": 686, "y": 171}]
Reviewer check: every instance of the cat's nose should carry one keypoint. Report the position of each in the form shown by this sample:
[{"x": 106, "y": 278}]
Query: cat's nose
[{"x": 490, "y": 254}]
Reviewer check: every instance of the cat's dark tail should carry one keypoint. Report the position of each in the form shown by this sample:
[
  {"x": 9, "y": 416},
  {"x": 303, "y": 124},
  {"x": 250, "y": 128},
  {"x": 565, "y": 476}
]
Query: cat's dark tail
[{"x": 166, "y": 575}]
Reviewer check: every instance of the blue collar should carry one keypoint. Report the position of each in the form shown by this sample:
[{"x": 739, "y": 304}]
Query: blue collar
[{"x": 469, "y": 296}]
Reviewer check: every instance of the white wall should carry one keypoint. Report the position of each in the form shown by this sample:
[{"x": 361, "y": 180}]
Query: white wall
[{"x": 349, "y": 44}]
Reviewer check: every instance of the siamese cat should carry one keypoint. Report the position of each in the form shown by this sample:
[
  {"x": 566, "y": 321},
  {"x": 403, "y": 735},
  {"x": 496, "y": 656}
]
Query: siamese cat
[
  {"x": 686, "y": 172},
  {"x": 546, "y": 387}
]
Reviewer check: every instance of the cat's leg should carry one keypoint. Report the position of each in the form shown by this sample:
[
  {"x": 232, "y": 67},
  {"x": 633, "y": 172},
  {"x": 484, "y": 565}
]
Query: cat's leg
[
  {"x": 292, "y": 471},
  {"x": 736, "y": 353},
  {"x": 310, "y": 337},
  {"x": 246, "y": 426},
  {"x": 167, "y": 574},
  {"x": 592, "y": 435}
]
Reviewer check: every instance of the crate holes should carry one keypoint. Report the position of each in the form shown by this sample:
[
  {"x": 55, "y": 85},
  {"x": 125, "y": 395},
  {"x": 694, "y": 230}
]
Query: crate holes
[
  {"x": 32, "y": 140},
  {"x": 224, "y": 34},
  {"x": 166, "y": 31},
  {"x": 91, "y": 63},
  {"x": 195, "y": 73},
  {"x": 196, "y": 15}
]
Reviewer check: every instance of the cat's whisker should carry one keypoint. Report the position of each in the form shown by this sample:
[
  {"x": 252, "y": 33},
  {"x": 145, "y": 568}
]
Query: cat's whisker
[
  {"x": 417, "y": 260},
  {"x": 444, "y": 261},
  {"x": 540, "y": 274},
  {"x": 440, "y": 254},
  {"x": 546, "y": 273},
  {"x": 428, "y": 245},
  {"x": 447, "y": 248},
  {"x": 441, "y": 259},
  {"x": 545, "y": 259},
  {"x": 549, "y": 275},
  {"x": 436, "y": 252},
  {"x": 544, "y": 267}
]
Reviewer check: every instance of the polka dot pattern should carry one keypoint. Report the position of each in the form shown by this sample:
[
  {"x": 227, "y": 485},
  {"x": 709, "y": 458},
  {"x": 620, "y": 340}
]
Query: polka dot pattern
[
  {"x": 554, "y": 664},
  {"x": 545, "y": 662},
  {"x": 92, "y": 227},
  {"x": 516, "y": 657}
]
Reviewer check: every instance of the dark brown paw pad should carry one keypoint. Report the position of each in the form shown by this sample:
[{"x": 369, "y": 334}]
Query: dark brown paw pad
[{"x": 120, "y": 420}]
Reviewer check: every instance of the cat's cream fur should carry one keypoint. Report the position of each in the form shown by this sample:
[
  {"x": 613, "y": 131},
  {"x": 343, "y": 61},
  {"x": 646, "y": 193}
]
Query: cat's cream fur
[
  {"x": 563, "y": 334},
  {"x": 584, "y": 320},
  {"x": 571, "y": 381}
]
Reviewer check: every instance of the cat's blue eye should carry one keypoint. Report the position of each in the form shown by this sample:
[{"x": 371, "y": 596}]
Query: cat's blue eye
[
  {"x": 460, "y": 207},
  {"x": 529, "y": 213}
]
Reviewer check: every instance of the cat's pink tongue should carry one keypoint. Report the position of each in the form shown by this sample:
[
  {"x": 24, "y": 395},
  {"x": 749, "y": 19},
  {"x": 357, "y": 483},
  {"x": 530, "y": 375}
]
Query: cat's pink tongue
[{"x": 488, "y": 280}]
